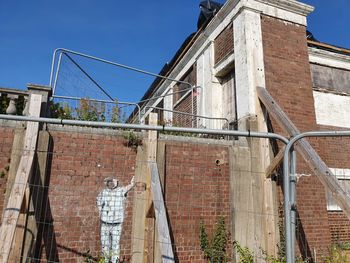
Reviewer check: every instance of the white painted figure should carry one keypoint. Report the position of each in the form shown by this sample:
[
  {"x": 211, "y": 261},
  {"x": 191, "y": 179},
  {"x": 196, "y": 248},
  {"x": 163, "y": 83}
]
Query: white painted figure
[{"x": 110, "y": 203}]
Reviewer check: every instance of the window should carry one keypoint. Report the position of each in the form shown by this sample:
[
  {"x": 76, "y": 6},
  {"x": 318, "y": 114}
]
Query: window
[
  {"x": 343, "y": 176},
  {"x": 229, "y": 97}
]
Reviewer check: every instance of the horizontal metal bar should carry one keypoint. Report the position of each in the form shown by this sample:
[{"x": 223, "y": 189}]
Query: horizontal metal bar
[
  {"x": 96, "y": 100},
  {"x": 110, "y": 63},
  {"x": 146, "y": 127}
]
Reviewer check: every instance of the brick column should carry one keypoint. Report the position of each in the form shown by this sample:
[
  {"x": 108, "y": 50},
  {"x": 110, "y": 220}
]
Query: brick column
[{"x": 288, "y": 79}]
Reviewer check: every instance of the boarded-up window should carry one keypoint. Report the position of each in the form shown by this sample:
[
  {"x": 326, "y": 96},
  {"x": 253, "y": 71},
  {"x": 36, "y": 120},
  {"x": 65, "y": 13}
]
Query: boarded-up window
[
  {"x": 223, "y": 44},
  {"x": 332, "y": 79},
  {"x": 229, "y": 96}
]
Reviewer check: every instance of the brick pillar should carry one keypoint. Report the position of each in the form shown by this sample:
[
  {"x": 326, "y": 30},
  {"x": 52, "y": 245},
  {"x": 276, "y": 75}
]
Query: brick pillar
[{"x": 288, "y": 79}]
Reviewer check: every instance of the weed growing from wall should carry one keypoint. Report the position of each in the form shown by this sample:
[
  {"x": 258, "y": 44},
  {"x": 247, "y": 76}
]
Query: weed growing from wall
[
  {"x": 214, "y": 249},
  {"x": 132, "y": 139}
]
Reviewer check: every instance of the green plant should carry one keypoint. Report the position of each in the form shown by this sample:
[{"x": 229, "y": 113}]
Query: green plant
[
  {"x": 132, "y": 139},
  {"x": 215, "y": 249},
  {"x": 88, "y": 258},
  {"x": 61, "y": 111},
  {"x": 4, "y": 101},
  {"x": 5, "y": 171},
  {"x": 176, "y": 133},
  {"x": 245, "y": 254},
  {"x": 336, "y": 255}
]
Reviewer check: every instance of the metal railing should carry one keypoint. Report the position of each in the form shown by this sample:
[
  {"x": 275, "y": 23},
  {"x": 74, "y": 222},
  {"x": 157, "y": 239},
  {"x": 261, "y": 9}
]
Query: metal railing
[
  {"x": 194, "y": 116},
  {"x": 289, "y": 186},
  {"x": 105, "y": 101},
  {"x": 55, "y": 71}
]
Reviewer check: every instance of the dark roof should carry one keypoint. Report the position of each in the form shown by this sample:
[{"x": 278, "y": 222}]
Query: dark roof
[{"x": 208, "y": 11}]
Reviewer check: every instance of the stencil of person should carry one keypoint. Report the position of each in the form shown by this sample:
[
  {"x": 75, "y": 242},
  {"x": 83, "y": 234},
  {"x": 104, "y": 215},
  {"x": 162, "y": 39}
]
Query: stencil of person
[{"x": 110, "y": 203}]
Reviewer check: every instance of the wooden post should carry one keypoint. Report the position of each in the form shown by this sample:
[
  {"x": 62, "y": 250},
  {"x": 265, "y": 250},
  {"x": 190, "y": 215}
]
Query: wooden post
[
  {"x": 139, "y": 206},
  {"x": 12, "y": 211},
  {"x": 150, "y": 220},
  {"x": 149, "y": 209}
]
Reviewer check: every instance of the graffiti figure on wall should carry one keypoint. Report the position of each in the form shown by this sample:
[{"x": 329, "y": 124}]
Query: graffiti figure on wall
[{"x": 111, "y": 207}]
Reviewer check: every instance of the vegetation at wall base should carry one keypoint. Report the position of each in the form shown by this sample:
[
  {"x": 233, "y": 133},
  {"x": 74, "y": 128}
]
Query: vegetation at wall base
[
  {"x": 337, "y": 254},
  {"x": 214, "y": 249},
  {"x": 245, "y": 254}
]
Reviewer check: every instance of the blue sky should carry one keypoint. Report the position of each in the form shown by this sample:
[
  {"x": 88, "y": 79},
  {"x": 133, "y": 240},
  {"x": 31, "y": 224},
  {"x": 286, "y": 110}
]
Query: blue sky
[{"x": 143, "y": 34}]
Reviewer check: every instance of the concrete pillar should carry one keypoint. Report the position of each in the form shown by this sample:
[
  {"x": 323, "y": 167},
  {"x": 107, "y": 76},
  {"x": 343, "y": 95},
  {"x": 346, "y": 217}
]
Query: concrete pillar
[
  {"x": 46, "y": 92},
  {"x": 249, "y": 62}
]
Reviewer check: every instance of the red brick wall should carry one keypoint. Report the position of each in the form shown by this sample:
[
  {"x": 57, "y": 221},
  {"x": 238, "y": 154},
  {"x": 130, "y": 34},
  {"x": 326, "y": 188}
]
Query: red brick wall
[
  {"x": 6, "y": 140},
  {"x": 288, "y": 79},
  {"x": 195, "y": 189},
  {"x": 223, "y": 44},
  {"x": 340, "y": 227},
  {"x": 185, "y": 105},
  {"x": 75, "y": 181},
  {"x": 335, "y": 152}
]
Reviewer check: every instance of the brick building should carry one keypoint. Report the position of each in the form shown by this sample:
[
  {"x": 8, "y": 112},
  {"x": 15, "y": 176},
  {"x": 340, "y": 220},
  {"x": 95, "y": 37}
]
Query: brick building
[
  {"x": 244, "y": 44},
  {"x": 265, "y": 43}
]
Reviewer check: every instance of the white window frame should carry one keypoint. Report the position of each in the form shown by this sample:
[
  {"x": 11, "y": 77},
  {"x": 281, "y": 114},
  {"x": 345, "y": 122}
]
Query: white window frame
[{"x": 341, "y": 175}]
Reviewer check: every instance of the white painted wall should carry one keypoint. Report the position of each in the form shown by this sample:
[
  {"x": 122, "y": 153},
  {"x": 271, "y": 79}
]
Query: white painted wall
[
  {"x": 168, "y": 105},
  {"x": 332, "y": 109},
  {"x": 210, "y": 99},
  {"x": 327, "y": 58}
]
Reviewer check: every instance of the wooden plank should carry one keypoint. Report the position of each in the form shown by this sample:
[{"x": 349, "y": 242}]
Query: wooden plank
[
  {"x": 150, "y": 220},
  {"x": 12, "y": 211},
  {"x": 316, "y": 43},
  {"x": 160, "y": 213},
  {"x": 17, "y": 148},
  {"x": 142, "y": 228},
  {"x": 275, "y": 163},
  {"x": 161, "y": 151},
  {"x": 326, "y": 177},
  {"x": 38, "y": 199},
  {"x": 161, "y": 148},
  {"x": 152, "y": 138},
  {"x": 16, "y": 154},
  {"x": 139, "y": 206}
]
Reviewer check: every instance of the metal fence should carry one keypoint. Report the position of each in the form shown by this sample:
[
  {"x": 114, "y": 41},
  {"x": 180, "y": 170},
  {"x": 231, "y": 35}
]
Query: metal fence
[{"x": 65, "y": 218}]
